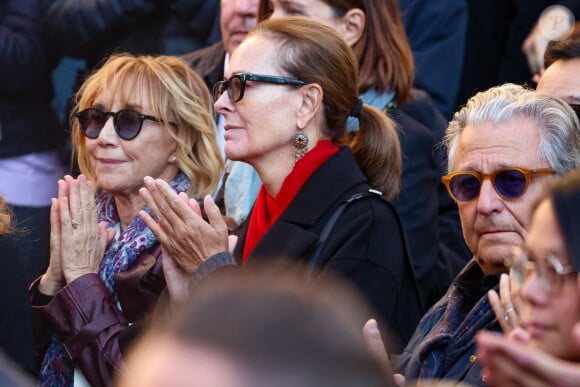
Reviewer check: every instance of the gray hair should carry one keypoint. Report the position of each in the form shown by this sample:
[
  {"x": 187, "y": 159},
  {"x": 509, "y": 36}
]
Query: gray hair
[{"x": 559, "y": 126}]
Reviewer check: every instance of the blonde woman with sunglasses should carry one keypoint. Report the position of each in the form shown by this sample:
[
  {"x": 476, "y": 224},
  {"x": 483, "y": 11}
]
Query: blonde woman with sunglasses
[{"x": 134, "y": 117}]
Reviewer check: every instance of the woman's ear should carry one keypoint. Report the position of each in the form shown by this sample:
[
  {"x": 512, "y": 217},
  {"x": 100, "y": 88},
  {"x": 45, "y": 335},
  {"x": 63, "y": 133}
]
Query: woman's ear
[
  {"x": 353, "y": 25},
  {"x": 312, "y": 96}
]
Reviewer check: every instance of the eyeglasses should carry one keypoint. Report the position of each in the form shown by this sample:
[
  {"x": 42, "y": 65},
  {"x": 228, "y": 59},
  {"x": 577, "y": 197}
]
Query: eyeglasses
[
  {"x": 549, "y": 271},
  {"x": 509, "y": 183},
  {"x": 236, "y": 84},
  {"x": 127, "y": 123}
]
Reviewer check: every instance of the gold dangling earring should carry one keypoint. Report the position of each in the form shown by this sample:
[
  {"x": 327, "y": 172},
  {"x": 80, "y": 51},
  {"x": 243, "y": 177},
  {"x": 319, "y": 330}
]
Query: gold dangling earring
[{"x": 299, "y": 145}]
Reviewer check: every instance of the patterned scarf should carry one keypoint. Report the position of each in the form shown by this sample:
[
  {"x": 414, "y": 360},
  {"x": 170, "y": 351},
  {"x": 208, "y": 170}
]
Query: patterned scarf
[{"x": 120, "y": 253}]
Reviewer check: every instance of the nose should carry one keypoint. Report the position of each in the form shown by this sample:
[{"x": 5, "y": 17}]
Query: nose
[
  {"x": 533, "y": 292},
  {"x": 247, "y": 7},
  {"x": 108, "y": 134},
  {"x": 489, "y": 200},
  {"x": 223, "y": 104}
]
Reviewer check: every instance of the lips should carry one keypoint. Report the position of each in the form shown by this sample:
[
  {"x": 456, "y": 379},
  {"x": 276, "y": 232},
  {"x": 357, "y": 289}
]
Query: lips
[
  {"x": 536, "y": 329},
  {"x": 493, "y": 231},
  {"x": 231, "y": 127},
  {"x": 240, "y": 34},
  {"x": 109, "y": 161}
]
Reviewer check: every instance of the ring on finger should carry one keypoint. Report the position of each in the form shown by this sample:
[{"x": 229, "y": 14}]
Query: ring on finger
[{"x": 75, "y": 224}]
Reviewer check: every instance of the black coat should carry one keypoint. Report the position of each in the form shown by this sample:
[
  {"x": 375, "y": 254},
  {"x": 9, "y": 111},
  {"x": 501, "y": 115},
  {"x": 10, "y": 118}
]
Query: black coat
[
  {"x": 367, "y": 244},
  {"x": 429, "y": 216}
]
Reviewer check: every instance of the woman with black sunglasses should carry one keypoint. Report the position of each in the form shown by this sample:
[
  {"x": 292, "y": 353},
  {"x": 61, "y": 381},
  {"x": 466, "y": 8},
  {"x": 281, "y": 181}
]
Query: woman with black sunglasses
[
  {"x": 375, "y": 32},
  {"x": 289, "y": 89},
  {"x": 134, "y": 117}
]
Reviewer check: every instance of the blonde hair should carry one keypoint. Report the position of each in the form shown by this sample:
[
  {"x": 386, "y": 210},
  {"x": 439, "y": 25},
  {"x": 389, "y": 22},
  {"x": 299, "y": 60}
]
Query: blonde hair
[
  {"x": 5, "y": 217},
  {"x": 180, "y": 99}
]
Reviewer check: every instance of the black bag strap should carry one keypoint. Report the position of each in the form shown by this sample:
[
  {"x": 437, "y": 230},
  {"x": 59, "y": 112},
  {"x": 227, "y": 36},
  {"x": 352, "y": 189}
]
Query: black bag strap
[{"x": 330, "y": 225}]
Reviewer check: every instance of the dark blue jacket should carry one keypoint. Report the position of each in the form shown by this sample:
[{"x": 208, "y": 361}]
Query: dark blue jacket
[
  {"x": 27, "y": 121},
  {"x": 443, "y": 345},
  {"x": 436, "y": 31}
]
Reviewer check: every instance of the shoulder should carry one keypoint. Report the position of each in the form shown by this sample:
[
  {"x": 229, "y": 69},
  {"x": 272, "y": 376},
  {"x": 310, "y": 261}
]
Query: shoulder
[
  {"x": 411, "y": 131},
  {"x": 423, "y": 109},
  {"x": 205, "y": 56},
  {"x": 372, "y": 224}
]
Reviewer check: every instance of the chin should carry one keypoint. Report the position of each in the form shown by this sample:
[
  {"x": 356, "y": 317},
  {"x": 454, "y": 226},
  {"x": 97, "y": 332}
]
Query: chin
[
  {"x": 494, "y": 261},
  {"x": 496, "y": 252}
]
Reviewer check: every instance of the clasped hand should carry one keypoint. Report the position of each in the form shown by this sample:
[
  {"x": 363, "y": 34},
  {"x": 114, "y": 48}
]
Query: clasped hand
[
  {"x": 187, "y": 239},
  {"x": 77, "y": 239}
]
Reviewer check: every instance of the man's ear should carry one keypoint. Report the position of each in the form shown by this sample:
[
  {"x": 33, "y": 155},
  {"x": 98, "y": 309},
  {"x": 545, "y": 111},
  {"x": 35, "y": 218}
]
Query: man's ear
[
  {"x": 353, "y": 25},
  {"x": 312, "y": 96}
]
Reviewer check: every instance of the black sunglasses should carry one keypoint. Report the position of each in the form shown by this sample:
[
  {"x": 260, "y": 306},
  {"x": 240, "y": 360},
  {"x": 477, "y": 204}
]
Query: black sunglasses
[
  {"x": 127, "y": 123},
  {"x": 509, "y": 183},
  {"x": 236, "y": 84}
]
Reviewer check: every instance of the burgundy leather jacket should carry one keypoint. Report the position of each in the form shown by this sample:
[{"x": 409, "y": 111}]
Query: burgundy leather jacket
[{"x": 93, "y": 329}]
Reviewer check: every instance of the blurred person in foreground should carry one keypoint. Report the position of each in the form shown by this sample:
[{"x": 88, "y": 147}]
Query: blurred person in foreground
[
  {"x": 134, "y": 117},
  {"x": 548, "y": 311},
  {"x": 289, "y": 89},
  {"x": 242, "y": 329}
]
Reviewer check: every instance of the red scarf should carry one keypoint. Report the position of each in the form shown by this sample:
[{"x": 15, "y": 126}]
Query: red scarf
[{"x": 267, "y": 209}]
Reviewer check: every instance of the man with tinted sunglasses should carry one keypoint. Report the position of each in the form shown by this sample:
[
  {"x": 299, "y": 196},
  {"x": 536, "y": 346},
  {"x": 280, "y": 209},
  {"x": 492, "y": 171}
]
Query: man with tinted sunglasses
[{"x": 503, "y": 148}]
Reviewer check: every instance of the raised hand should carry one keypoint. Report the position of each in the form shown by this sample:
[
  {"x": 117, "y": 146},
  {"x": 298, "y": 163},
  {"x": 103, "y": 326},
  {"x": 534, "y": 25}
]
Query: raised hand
[
  {"x": 507, "y": 363},
  {"x": 180, "y": 228},
  {"x": 83, "y": 239},
  {"x": 376, "y": 346},
  {"x": 507, "y": 306}
]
